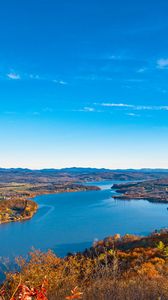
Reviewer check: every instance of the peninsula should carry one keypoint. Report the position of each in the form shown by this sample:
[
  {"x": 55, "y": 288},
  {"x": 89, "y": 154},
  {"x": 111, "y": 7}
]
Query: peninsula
[
  {"x": 15, "y": 198},
  {"x": 151, "y": 190}
]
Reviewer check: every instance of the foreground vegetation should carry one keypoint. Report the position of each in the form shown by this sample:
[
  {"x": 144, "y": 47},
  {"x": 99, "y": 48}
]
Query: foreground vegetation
[{"x": 115, "y": 268}]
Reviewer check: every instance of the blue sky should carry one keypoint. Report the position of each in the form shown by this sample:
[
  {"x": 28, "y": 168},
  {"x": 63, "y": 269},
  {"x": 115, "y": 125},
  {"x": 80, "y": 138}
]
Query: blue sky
[{"x": 84, "y": 83}]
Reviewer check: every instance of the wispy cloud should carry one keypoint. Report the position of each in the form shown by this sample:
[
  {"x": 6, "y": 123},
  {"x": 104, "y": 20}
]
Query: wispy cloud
[
  {"x": 13, "y": 76},
  {"x": 62, "y": 82},
  {"x": 88, "y": 109},
  {"x": 132, "y": 115},
  {"x": 116, "y": 105},
  {"x": 129, "y": 109},
  {"x": 133, "y": 107},
  {"x": 31, "y": 76},
  {"x": 23, "y": 76},
  {"x": 162, "y": 63},
  {"x": 143, "y": 107}
]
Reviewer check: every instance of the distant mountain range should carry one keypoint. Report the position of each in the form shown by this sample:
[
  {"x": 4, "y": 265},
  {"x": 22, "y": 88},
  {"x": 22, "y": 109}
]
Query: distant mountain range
[
  {"x": 84, "y": 169},
  {"x": 77, "y": 175}
]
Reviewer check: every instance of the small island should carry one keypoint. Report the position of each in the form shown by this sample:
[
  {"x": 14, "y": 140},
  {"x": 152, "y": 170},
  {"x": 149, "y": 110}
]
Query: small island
[{"x": 151, "y": 190}]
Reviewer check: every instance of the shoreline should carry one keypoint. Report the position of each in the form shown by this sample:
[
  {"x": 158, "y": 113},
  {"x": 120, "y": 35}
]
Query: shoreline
[
  {"x": 34, "y": 195},
  {"x": 155, "y": 191},
  {"x": 20, "y": 220}
]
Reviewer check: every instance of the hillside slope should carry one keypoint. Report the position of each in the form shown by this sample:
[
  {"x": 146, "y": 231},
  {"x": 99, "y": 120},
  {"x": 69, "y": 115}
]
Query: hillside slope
[{"x": 115, "y": 268}]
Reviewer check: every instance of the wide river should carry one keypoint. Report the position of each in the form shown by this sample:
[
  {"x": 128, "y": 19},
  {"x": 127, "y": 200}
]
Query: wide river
[{"x": 70, "y": 222}]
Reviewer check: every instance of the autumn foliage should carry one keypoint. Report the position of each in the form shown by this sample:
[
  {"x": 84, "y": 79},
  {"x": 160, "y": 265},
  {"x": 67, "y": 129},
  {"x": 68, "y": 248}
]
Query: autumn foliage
[{"x": 114, "y": 268}]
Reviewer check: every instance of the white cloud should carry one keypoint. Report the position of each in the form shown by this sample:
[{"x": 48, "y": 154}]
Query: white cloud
[
  {"x": 129, "y": 109},
  {"x": 139, "y": 107},
  {"x": 132, "y": 115},
  {"x": 144, "y": 107},
  {"x": 116, "y": 105},
  {"x": 133, "y": 107},
  {"x": 62, "y": 82},
  {"x": 87, "y": 109},
  {"x": 162, "y": 63},
  {"x": 13, "y": 76}
]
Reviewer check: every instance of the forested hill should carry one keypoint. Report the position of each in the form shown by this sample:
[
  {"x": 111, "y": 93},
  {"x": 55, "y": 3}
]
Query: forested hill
[{"x": 78, "y": 174}]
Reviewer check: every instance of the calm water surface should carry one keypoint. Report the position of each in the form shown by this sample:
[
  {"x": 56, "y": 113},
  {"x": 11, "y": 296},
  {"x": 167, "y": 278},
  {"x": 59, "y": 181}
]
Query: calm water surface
[{"x": 72, "y": 221}]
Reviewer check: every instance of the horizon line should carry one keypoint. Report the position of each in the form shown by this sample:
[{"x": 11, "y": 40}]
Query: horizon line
[{"x": 79, "y": 167}]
